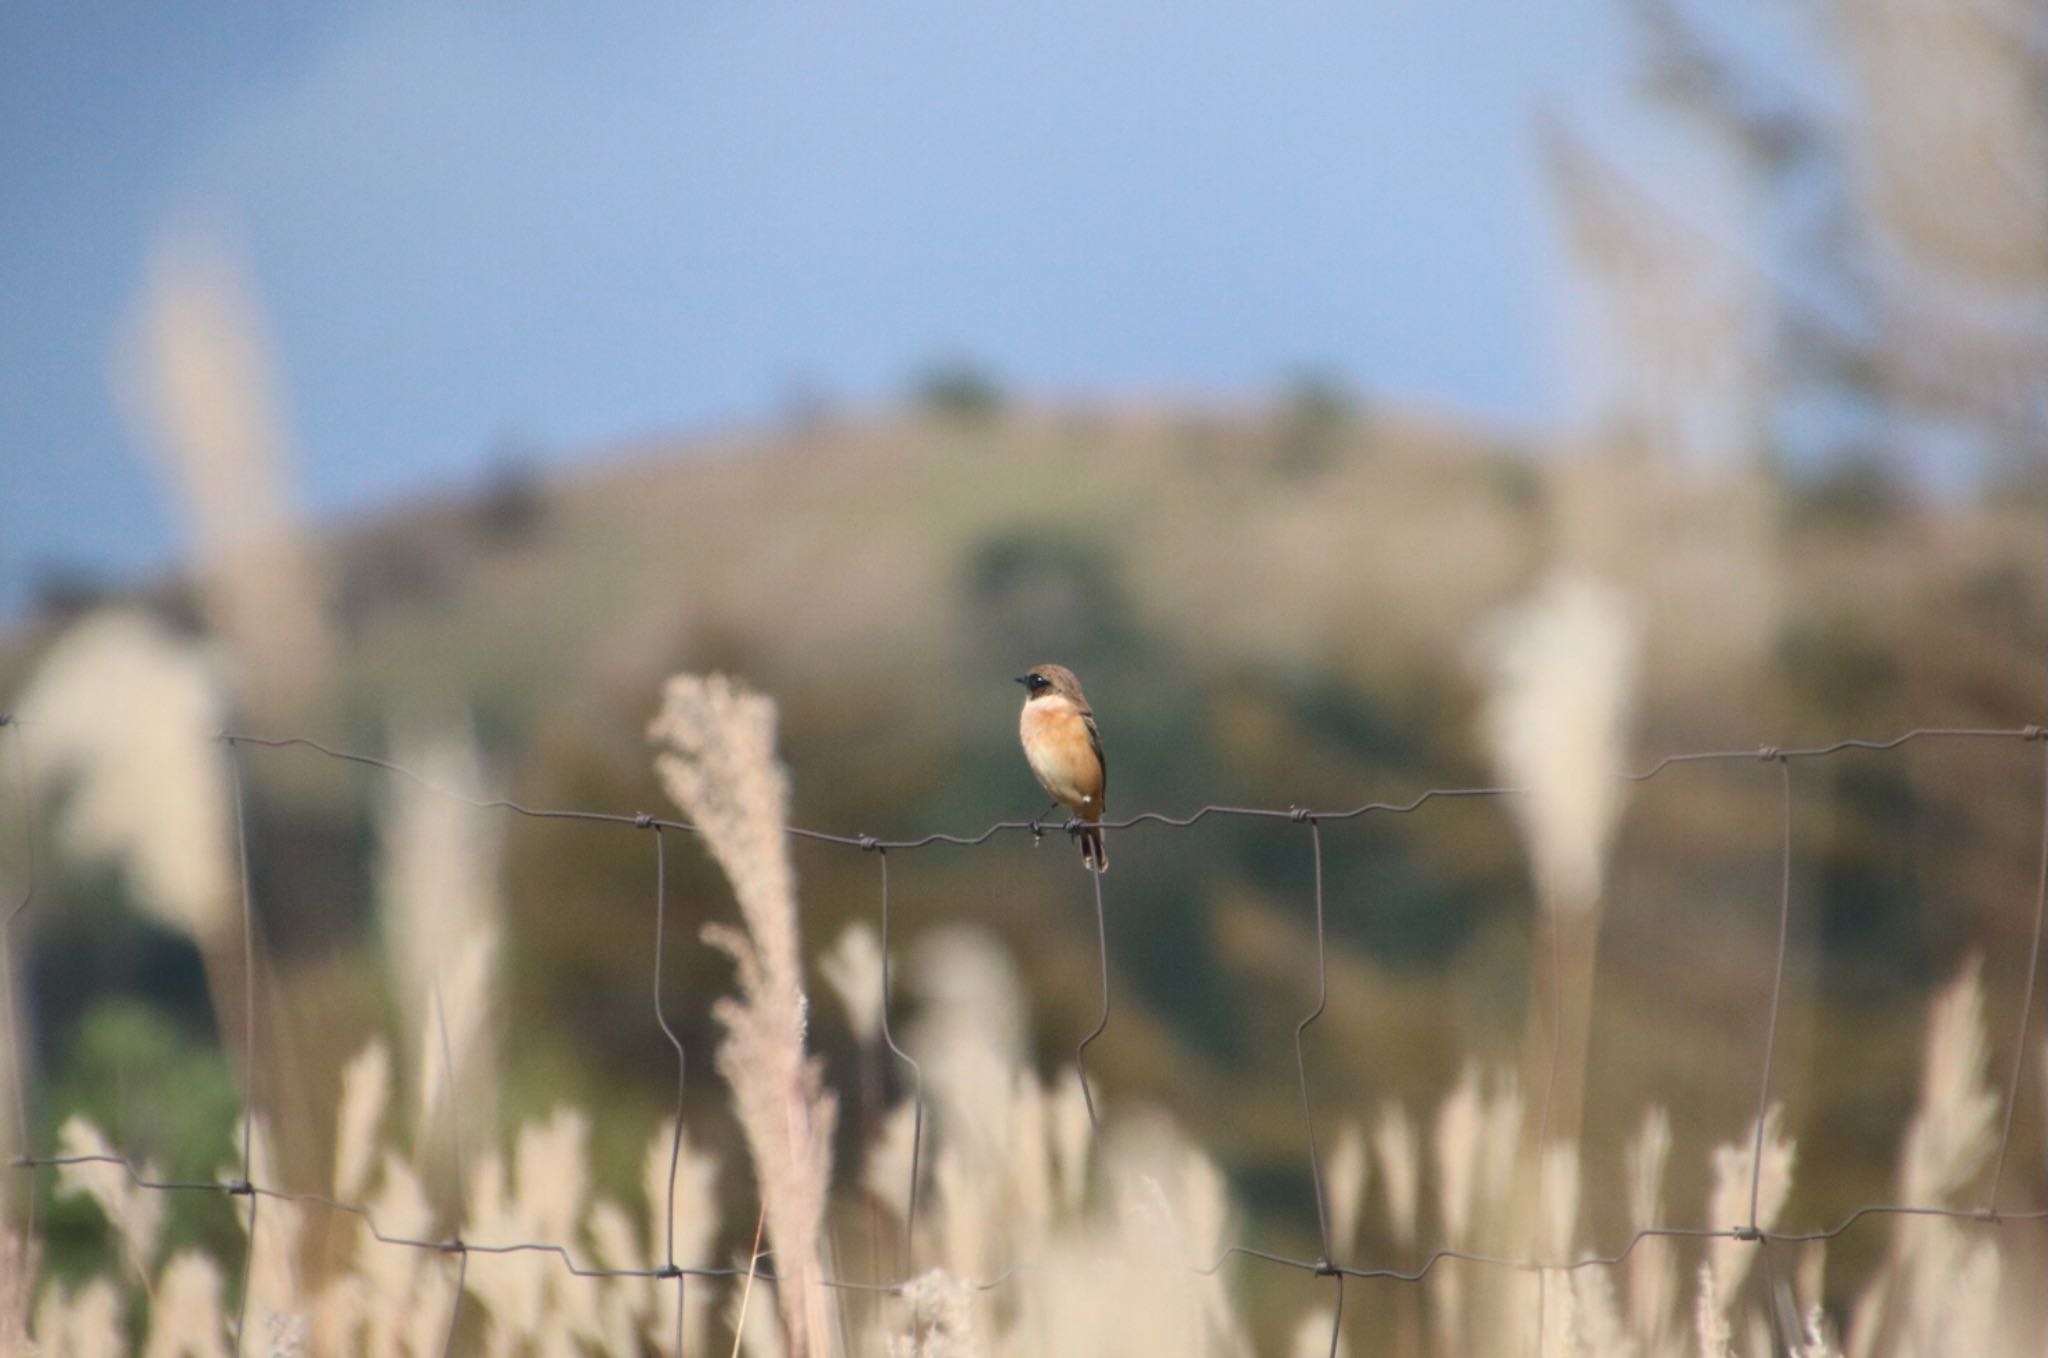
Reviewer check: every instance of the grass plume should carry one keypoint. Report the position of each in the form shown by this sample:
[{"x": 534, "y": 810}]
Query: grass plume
[
  {"x": 1556, "y": 723},
  {"x": 125, "y": 714},
  {"x": 1563, "y": 667},
  {"x": 718, "y": 764},
  {"x": 195, "y": 373},
  {"x": 439, "y": 906}
]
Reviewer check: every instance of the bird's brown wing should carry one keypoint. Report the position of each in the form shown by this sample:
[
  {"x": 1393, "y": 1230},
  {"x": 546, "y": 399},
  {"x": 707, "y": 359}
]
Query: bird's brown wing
[{"x": 1101, "y": 762}]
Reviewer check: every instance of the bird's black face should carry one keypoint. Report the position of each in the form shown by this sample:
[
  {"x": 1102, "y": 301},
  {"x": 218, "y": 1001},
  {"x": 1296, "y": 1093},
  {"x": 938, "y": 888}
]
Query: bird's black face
[{"x": 1034, "y": 683}]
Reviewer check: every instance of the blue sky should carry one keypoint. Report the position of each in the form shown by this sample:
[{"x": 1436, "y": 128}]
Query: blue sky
[{"x": 576, "y": 225}]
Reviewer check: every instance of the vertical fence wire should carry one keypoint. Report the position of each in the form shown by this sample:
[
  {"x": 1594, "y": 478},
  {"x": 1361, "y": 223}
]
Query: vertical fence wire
[
  {"x": 668, "y": 1266},
  {"x": 916, "y": 1089},
  {"x": 1763, "y": 1091},
  {"x": 246, "y": 1185},
  {"x": 1102, "y": 1022},
  {"x": 455, "y": 1245},
  {"x": 1326, "y": 1261},
  {"x": 1308, "y": 1117}
]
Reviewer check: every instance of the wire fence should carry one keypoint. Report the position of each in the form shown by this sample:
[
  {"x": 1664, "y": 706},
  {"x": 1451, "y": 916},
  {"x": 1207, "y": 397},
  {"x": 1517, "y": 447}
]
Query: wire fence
[{"x": 1325, "y": 1265}]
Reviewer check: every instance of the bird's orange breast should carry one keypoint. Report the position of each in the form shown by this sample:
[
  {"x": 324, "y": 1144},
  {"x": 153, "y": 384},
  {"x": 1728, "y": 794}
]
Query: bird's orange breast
[{"x": 1062, "y": 754}]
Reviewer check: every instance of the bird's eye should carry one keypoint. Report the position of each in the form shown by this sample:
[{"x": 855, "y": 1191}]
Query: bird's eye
[{"x": 1039, "y": 681}]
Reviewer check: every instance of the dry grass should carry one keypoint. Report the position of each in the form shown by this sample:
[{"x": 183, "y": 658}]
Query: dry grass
[
  {"x": 1109, "y": 1236},
  {"x": 1113, "y": 1274}
]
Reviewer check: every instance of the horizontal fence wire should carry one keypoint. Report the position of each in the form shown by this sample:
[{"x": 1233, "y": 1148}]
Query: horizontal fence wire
[{"x": 760, "y": 1264}]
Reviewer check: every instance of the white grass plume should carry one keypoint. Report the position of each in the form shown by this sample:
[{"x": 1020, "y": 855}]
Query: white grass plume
[
  {"x": 195, "y": 374},
  {"x": 1073, "y": 1138},
  {"x": 394, "y": 1282},
  {"x": 853, "y": 968},
  {"x": 942, "y": 1319},
  {"x": 185, "y": 1316},
  {"x": 1558, "y": 1313},
  {"x": 1564, "y": 669},
  {"x": 1940, "y": 1290},
  {"x": 81, "y": 1324},
  {"x": 1033, "y": 1204},
  {"x": 1460, "y": 1130},
  {"x": 531, "y": 1297},
  {"x": 457, "y": 1065},
  {"x": 365, "y": 1093},
  {"x": 509, "y": 1285},
  {"x": 1312, "y": 1335},
  {"x": 886, "y": 1172},
  {"x": 1559, "y": 1195},
  {"x": 1653, "y": 1263},
  {"x": 127, "y": 714},
  {"x": 1952, "y": 1295},
  {"x": 1810, "y": 1284},
  {"x": 1170, "y": 1213},
  {"x": 1728, "y": 1259},
  {"x": 1344, "y": 1178},
  {"x": 135, "y": 1213},
  {"x": 551, "y": 1168},
  {"x": 1557, "y": 1206},
  {"x": 1601, "y": 1333},
  {"x": 1710, "y": 1317},
  {"x": 719, "y": 766},
  {"x": 278, "y": 1229},
  {"x": 966, "y": 1207},
  {"x": 1645, "y": 1159},
  {"x": 1460, "y": 1126},
  {"x": 1953, "y": 1129},
  {"x": 626, "y": 1301},
  {"x": 968, "y": 1037},
  {"x": 1393, "y": 1142},
  {"x": 1505, "y": 1110},
  {"x": 438, "y": 898}
]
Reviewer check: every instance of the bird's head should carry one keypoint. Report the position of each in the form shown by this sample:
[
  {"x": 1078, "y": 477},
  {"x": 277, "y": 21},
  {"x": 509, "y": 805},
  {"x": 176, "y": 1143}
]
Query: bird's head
[{"x": 1046, "y": 680}]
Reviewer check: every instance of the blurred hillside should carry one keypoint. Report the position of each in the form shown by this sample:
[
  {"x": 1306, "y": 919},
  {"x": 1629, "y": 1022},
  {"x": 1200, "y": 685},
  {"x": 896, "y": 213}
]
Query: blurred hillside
[{"x": 1272, "y": 607}]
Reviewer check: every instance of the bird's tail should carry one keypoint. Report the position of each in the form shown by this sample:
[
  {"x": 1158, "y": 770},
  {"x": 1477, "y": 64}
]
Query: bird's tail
[{"x": 1093, "y": 854}]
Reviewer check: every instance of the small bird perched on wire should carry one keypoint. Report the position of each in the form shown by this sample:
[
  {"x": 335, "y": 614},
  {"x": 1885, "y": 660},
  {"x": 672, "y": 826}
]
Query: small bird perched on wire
[{"x": 1065, "y": 752}]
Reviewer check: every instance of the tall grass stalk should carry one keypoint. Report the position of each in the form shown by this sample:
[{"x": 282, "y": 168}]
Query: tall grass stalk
[
  {"x": 1563, "y": 669},
  {"x": 718, "y": 764}
]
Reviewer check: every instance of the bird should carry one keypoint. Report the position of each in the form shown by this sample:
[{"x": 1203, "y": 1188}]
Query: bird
[{"x": 1064, "y": 749}]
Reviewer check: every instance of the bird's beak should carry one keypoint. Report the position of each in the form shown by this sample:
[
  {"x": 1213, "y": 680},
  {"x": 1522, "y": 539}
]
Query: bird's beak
[{"x": 1023, "y": 678}]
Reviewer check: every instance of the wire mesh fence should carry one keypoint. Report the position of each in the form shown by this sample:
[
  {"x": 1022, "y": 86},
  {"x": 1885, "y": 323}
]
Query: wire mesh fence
[{"x": 1305, "y": 822}]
